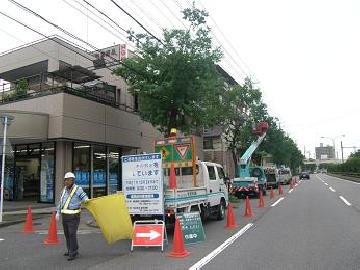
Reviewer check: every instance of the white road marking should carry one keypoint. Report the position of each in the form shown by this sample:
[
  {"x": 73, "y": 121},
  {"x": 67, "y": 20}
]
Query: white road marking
[
  {"x": 326, "y": 184},
  {"x": 345, "y": 201},
  {"x": 2, "y": 239},
  {"x": 333, "y": 190},
  {"x": 279, "y": 200},
  {"x": 291, "y": 190},
  {"x": 205, "y": 260}
]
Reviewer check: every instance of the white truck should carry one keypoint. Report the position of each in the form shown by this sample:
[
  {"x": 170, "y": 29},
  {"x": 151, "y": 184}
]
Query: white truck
[{"x": 209, "y": 195}]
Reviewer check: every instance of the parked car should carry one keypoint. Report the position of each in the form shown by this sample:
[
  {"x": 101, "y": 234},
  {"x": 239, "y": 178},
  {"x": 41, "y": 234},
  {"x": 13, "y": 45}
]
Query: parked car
[{"x": 304, "y": 175}]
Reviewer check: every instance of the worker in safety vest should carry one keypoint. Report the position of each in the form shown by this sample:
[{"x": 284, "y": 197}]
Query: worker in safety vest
[{"x": 70, "y": 207}]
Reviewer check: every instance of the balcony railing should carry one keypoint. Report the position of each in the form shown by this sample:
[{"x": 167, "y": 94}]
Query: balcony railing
[{"x": 42, "y": 85}]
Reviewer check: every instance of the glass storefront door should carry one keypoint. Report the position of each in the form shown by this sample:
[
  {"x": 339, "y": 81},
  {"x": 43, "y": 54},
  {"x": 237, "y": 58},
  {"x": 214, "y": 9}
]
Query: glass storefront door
[
  {"x": 114, "y": 166},
  {"x": 82, "y": 166},
  {"x": 47, "y": 172},
  {"x": 96, "y": 168},
  {"x": 99, "y": 174},
  {"x": 34, "y": 172},
  {"x": 27, "y": 178}
]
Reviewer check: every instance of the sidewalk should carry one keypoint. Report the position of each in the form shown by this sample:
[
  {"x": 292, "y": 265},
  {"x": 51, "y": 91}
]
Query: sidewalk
[{"x": 15, "y": 212}]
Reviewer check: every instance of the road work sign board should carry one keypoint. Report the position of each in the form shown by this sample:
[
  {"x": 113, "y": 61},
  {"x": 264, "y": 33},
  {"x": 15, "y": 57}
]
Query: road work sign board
[
  {"x": 142, "y": 182},
  {"x": 148, "y": 235},
  {"x": 178, "y": 150},
  {"x": 192, "y": 228}
]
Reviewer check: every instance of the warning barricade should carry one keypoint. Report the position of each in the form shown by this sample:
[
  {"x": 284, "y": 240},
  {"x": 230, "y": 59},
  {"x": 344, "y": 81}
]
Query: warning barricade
[{"x": 149, "y": 233}]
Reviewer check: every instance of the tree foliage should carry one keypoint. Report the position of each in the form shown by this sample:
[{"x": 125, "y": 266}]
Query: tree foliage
[
  {"x": 175, "y": 78},
  {"x": 245, "y": 109},
  {"x": 352, "y": 164},
  {"x": 242, "y": 106}
]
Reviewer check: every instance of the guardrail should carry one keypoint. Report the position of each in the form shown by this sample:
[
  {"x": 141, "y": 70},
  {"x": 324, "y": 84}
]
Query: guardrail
[{"x": 348, "y": 176}]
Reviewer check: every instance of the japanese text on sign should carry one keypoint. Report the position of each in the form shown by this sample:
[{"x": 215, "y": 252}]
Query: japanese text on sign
[{"x": 143, "y": 183}]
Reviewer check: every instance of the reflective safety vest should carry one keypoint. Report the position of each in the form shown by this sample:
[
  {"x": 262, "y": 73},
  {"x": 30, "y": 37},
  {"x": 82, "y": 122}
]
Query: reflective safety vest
[{"x": 64, "y": 208}]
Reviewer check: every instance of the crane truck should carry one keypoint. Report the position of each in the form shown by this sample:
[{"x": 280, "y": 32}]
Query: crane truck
[{"x": 251, "y": 180}]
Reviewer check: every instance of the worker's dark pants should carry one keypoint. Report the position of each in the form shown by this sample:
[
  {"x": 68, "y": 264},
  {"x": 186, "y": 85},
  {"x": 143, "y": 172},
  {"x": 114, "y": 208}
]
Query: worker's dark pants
[{"x": 71, "y": 224}]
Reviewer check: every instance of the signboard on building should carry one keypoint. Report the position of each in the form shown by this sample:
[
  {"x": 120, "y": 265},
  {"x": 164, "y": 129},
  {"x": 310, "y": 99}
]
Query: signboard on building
[
  {"x": 113, "y": 53},
  {"x": 192, "y": 228},
  {"x": 179, "y": 150},
  {"x": 142, "y": 182}
]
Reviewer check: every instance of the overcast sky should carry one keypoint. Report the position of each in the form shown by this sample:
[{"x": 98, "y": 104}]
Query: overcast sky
[{"x": 304, "y": 55}]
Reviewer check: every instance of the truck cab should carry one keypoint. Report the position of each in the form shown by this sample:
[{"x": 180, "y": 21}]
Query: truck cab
[{"x": 208, "y": 194}]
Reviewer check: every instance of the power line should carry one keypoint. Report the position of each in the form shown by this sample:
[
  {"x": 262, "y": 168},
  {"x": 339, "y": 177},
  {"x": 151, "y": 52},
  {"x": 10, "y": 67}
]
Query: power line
[
  {"x": 64, "y": 31},
  {"x": 102, "y": 26},
  {"x": 70, "y": 48},
  {"x": 231, "y": 45},
  {"x": 140, "y": 24},
  {"x": 160, "y": 10},
  {"x": 166, "y": 6}
]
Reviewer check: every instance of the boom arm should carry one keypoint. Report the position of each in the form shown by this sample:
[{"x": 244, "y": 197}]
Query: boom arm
[{"x": 245, "y": 158}]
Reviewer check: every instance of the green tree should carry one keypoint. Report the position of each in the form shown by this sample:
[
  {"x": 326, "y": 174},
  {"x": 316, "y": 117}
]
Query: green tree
[
  {"x": 175, "y": 79},
  {"x": 21, "y": 88},
  {"x": 242, "y": 107}
]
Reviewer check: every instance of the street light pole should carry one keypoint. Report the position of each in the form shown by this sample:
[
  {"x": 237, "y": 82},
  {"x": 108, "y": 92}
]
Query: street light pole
[
  {"x": 342, "y": 153},
  {"x": 333, "y": 141},
  {"x": 6, "y": 121}
]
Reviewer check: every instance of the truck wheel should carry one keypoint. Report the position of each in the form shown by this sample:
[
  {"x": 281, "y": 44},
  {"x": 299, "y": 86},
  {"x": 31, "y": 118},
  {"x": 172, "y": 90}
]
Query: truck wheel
[{"x": 221, "y": 211}]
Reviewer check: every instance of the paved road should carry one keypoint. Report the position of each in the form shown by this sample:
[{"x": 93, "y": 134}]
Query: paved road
[
  {"x": 19, "y": 251},
  {"x": 311, "y": 228}
]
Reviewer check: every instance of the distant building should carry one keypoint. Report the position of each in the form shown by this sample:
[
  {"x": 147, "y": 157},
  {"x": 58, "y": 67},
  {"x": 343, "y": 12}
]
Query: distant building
[{"x": 324, "y": 152}]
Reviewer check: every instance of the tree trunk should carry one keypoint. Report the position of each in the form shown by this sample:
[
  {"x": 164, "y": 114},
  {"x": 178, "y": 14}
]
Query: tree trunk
[
  {"x": 172, "y": 121},
  {"x": 233, "y": 151}
]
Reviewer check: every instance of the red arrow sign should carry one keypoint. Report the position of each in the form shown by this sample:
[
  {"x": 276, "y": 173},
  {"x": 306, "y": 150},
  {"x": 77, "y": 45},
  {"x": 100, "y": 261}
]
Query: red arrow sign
[{"x": 148, "y": 235}]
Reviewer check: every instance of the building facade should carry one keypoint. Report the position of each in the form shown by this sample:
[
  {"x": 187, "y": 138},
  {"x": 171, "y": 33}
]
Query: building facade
[
  {"x": 70, "y": 114},
  {"x": 324, "y": 152}
]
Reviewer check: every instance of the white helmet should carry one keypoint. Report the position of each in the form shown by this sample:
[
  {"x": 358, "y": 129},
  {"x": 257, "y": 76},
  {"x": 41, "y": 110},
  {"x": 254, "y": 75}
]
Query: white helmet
[{"x": 69, "y": 175}]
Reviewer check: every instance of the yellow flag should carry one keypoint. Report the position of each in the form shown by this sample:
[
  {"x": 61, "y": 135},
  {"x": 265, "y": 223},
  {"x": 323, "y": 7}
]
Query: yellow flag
[{"x": 112, "y": 216}]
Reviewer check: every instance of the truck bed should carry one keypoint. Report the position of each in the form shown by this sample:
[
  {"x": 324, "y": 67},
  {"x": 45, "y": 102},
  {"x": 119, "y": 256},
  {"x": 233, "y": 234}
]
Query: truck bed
[{"x": 181, "y": 198}]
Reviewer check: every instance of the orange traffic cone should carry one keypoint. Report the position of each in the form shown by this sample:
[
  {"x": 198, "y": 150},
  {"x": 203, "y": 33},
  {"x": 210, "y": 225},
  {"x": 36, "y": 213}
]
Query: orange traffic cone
[
  {"x": 281, "y": 192},
  {"x": 178, "y": 250},
  {"x": 272, "y": 194},
  {"x": 261, "y": 200},
  {"x": 291, "y": 184},
  {"x": 248, "y": 210},
  {"x": 172, "y": 177},
  {"x": 230, "y": 218},
  {"x": 28, "y": 227},
  {"x": 52, "y": 238}
]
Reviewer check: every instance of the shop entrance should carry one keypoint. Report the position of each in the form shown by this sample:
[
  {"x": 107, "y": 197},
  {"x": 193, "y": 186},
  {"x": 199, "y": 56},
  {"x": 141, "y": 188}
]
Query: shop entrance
[{"x": 27, "y": 178}]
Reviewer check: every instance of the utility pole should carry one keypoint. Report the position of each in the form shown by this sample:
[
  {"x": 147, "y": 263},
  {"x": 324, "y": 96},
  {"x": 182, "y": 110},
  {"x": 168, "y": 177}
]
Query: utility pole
[
  {"x": 6, "y": 120},
  {"x": 342, "y": 153}
]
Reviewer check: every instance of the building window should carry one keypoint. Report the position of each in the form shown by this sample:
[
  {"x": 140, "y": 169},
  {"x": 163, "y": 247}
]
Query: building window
[
  {"x": 99, "y": 171},
  {"x": 114, "y": 166},
  {"x": 47, "y": 172},
  {"x": 81, "y": 166},
  {"x": 208, "y": 143}
]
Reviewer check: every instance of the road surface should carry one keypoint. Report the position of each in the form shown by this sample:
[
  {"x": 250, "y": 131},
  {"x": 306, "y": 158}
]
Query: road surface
[{"x": 315, "y": 226}]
